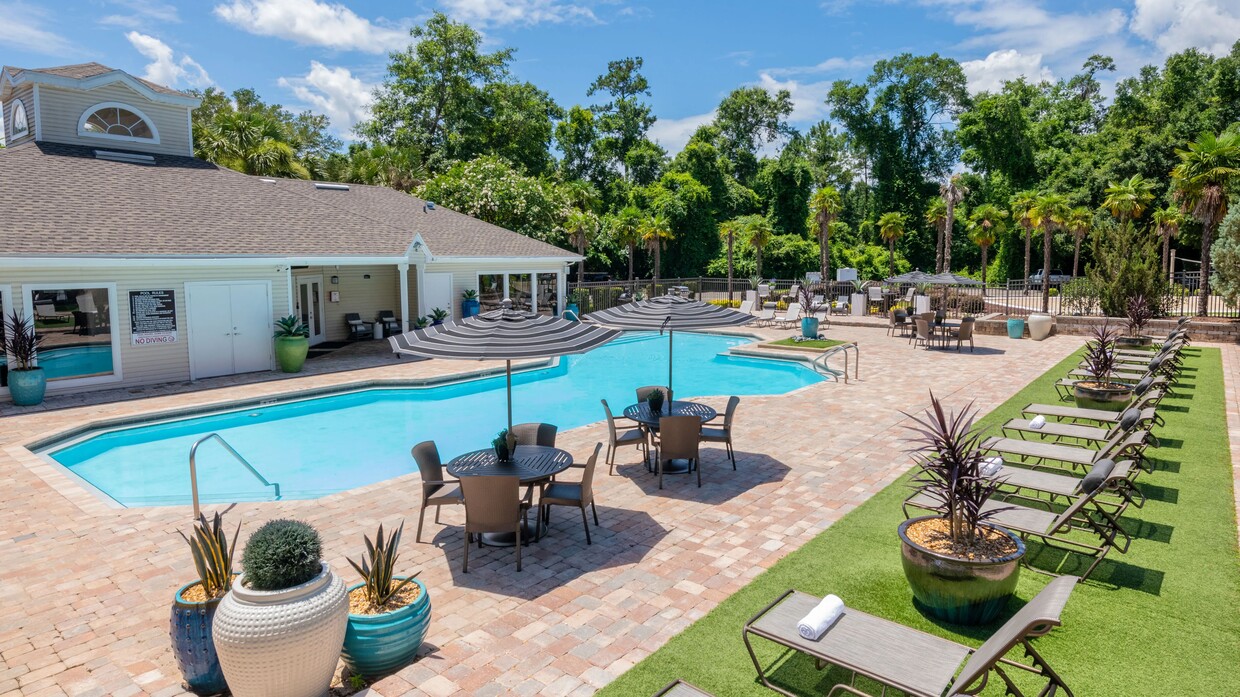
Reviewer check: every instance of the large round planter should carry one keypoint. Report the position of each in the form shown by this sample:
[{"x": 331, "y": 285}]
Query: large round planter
[
  {"x": 1016, "y": 328},
  {"x": 1113, "y": 398},
  {"x": 1040, "y": 326},
  {"x": 379, "y": 644},
  {"x": 572, "y": 313},
  {"x": 809, "y": 327},
  {"x": 291, "y": 352},
  {"x": 190, "y": 629},
  {"x": 282, "y": 643},
  {"x": 1135, "y": 341},
  {"x": 27, "y": 387},
  {"x": 962, "y": 591},
  {"x": 470, "y": 307}
]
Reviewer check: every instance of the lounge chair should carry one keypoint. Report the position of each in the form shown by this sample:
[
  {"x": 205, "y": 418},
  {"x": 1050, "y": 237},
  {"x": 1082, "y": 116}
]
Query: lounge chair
[
  {"x": 1064, "y": 388},
  {"x": 1093, "y": 436},
  {"x": 436, "y": 491},
  {"x": 1037, "y": 454},
  {"x": 358, "y": 328},
  {"x": 47, "y": 311},
  {"x": 875, "y": 298},
  {"x": 535, "y": 434},
  {"x": 679, "y": 438},
  {"x": 911, "y": 661},
  {"x": 711, "y": 434},
  {"x": 765, "y": 317},
  {"x": 791, "y": 315},
  {"x": 575, "y": 494},
  {"x": 840, "y": 306},
  {"x": 680, "y": 688},
  {"x": 617, "y": 438},
  {"x": 494, "y": 504},
  {"x": 1149, "y": 400},
  {"x": 746, "y": 306}
]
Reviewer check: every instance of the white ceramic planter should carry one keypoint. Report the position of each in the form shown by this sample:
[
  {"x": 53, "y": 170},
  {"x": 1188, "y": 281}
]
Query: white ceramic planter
[
  {"x": 921, "y": 303},
  {"x": 1040, "y": 326},
  {"x": 282, "y": 643},
  {"x": 858, "y": 304}
]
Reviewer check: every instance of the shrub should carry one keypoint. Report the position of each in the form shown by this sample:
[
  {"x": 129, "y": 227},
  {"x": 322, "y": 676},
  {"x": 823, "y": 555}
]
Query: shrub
[
  {"x": 972, "y": 304},
  {"x": 281, "y": 554},
  {"x": 1126, "y": 264},
  {"x": 1080, "y": 297},
  {"x": 1054, "y": 292}
]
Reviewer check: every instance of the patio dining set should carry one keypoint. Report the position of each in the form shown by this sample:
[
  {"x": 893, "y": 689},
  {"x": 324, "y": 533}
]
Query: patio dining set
[{"x": 931, "y": 330}]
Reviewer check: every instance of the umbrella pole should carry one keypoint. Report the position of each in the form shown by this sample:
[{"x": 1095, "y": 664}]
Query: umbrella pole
[
  {"x": 670, "y": 334},
  {"x": 508, "y": 373}
]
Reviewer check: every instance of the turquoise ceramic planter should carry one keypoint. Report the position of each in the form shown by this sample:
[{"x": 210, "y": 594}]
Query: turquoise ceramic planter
[
  {"x": 1016, "y": 328},
  {"x": 961, "y": 591},
  {"x": 27, "y": 387},
  {"x": 470, "y": 307},
  {"x": 809, "y": 327},
  {"x": 380, "y": 644},
  {"x": 190, "y": 629},
  {"x": 571, "y": 313}
]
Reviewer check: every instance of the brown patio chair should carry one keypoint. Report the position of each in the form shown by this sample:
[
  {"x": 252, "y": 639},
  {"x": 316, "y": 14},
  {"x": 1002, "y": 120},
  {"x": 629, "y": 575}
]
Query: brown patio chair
[
  {"x": 679, "y": 437},
  {"x": 436, "y": 490},
  {"x": 617, "y": 438},
  {"x": 962, "y": 334},
  {"x": 644, "y": 392},
  {"x": 494, "y": 504},
  {"x": 1091, "y": 436},
  {"x": 711, "y": 434},
  {"x": 358, "y": 329},
  {"x": 913, "y": 662},
  {"x": 680, "y": 688},
  {"x": 576, "y": 494},
  {"x": 924, "y": 335},
  {"x": 1037, "y": 455},
  {"x": 896, "y": 322},
  {"x": 535, "y": 434}
]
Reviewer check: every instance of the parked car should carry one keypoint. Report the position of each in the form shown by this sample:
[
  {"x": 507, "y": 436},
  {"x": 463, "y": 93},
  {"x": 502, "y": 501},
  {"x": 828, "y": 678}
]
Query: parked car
[
  {"x": 597, "y": 277},
  {"x": 1057, "y": 277}
]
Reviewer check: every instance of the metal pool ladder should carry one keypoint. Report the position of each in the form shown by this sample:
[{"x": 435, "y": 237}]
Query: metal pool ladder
[
  {"x": 193, "y": 468},
  {"x": 820, "y": 361}
]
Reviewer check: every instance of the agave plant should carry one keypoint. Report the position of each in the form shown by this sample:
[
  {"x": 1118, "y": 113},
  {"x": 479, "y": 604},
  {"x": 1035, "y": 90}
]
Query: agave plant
[
  {"x": 439, "y": 314},
  {"x": 213, "y": 555},
  {"x": 291, "y": 326},
  {"x": 950, "y": 462},
  {"x": 1139, "y": 314},
  {"x": 378, "y": 568},
  {"x": 19, "y": 340},
  {"x": 1100, "y": 354}
]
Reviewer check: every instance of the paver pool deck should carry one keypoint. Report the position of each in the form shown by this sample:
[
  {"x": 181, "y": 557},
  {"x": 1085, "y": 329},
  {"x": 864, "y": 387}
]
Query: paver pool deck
[{"x": 85, "y": 588}]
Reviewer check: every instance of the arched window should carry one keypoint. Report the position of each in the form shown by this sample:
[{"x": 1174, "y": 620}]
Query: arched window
[
  {"x": 117, "y": 121},
  {"x": 20, "y": 125}
]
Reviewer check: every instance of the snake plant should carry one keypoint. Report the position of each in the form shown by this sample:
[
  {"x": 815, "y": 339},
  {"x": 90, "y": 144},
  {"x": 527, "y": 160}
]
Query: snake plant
[
  {"x": 213, "y": 555},
  {"x": 378, "y": 568}
]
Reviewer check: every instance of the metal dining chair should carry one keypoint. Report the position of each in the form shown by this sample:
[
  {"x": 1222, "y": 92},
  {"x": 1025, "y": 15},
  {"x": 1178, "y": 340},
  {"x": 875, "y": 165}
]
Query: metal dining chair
[
  {"x": 494, "y": 504},
  {"x": 711, "y": 434},
  {"x": 436, "y": 491},
  {"x": 617, "y": 438},
  {"x": 576, "y": 494},
  {"x": 679, "y": 439}
]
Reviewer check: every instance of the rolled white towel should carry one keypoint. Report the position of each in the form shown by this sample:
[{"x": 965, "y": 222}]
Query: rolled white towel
[
  {"x": 1037, "y": 422},
  {"x": 991, "y": 466},
  {"x": 824, "y": 614}
]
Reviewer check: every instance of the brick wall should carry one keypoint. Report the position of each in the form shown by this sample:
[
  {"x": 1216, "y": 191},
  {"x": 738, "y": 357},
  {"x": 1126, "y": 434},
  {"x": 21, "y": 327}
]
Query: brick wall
[{"x": 1199, "y": 330}]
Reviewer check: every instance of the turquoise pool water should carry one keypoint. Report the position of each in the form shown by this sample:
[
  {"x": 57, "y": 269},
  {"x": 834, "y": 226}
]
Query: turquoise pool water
[
  {"x": 328, "y": 444},
  {"x": 74, "y": 361}
]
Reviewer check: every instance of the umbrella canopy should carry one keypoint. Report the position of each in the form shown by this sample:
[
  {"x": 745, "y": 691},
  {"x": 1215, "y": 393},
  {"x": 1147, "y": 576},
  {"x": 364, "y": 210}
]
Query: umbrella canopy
[
  {"x": 670, "y": 312},
  {"x": 504, "y": 334},
  {"x": 934, "y": 279},
  {"x": 910, "y": 277}
]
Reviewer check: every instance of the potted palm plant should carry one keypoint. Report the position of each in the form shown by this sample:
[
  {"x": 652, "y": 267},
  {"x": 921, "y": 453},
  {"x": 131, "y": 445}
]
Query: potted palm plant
[
  {"x": 18, "y": 339},
  {"x": 195, "y": 603},
  {"x": 1139, "y": 313},
  {"x": 421, "y": 322},
  {"x": 388, "y": 614},
  {"x": 292, "y": 344},
  {"x": 960, "y": 567},
  {"x": 1100, "y": 390},
  {"x": 280, "y": 628},
  {"x": 809, "y": 322},
  {"x": 578, "y": 299},
  {"x": 469, "y": 303}
]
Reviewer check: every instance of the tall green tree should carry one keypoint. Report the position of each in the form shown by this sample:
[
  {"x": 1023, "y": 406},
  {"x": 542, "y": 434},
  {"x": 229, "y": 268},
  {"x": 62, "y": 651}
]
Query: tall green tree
[
  {"x": 624, "y": 120},
  {"x": 626, "y": 228},
  {"x": 1023, "y": 204},
  {"x": 891, "y": 228},
  {"x": 952, "y": 192},
  {"x": 784, "y": 184},
  {"x": 1127, "y": 199},
  {"x": 1049, "y": 213},
  {"x": 747, "y": 119},
  {"x": 655, "y": 232},
  {"x": 986, "y": 224},
  {"x": 1078, "y": 223},
  {"x": 1167, "y": 222},
  {"x": 936, "y": 217},
  {"x": 582, "y": 226},
  {"x": 728, "y": 231},
  {"x": 251, "y": 143},
  {"x": 825, "y": 206},
  {"x": 1204, "y": 179},
  {"x": 577, "y": 137},
  {"x": 997, "y": 139},
  {"x": 758, "y": 234}
]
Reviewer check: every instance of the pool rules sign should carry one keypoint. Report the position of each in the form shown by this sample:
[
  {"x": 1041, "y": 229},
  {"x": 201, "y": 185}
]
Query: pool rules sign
[{"x": 152, "y": 317}]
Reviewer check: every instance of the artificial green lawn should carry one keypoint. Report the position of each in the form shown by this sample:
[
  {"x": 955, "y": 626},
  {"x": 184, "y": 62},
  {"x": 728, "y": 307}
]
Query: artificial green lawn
[
  {"x": 1163, "y": 619},
  {"x": 810, "y": 344}
]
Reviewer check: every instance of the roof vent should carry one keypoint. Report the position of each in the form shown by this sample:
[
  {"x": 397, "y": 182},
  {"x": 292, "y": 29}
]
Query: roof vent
[
  {"x": 428, "y": 206},
  {"x": 331, "y": 187},
  {"x": 267, "y": 181},
  {"x": 114, "y": 156}
]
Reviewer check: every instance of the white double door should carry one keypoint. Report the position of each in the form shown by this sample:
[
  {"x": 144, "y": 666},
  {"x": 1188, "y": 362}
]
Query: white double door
[{"x": 229, "y": 327}]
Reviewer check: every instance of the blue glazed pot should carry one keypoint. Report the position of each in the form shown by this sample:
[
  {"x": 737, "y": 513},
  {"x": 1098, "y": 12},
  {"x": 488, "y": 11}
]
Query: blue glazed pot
[
  {"x": 809, "y": 327},
  {"x": 571, "y": 312},
  {"x": 27, "y": 387},
  {"x": 469, "y": 308},
  {"x": 380, "y": 644},
  {"x": 1016, "y": 328},
  {"x": 962, "y": 591},
  {"x": 190, "y": 628}
]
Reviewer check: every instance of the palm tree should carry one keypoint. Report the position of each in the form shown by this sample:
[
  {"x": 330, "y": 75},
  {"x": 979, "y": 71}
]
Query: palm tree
[
  {"x": 1167, "y": 223},
  {"x": 891, "y": 228},
  {"x": 1049, "y": 212},
  {"x": 936, "y": 216},
  {"x": 727, "y": 233},
  {"x": 626, "y": 227},
  {"x": 582, "y": 195},
  {"x": 581, "y": 226},
  {"x": 1128, "y": 198},
  {"x": 1078, "y": 223},
  {"x": 655, "y": 231},
  {"x": 951, "y": 193},
  {"x": 1204, "y": 178},
  {"x": 825, "y": 206},
  {"x": 985, "y": 226},
  {"x": 400, "y": 168},
  {"x": 759, "y": 233},
  {"x": 249, "y": 143},
  {"x": 1022, "y": 206}
]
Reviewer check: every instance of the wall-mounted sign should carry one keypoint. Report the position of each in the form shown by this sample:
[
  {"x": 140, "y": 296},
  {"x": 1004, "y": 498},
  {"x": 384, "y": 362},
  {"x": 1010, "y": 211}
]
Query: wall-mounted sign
[{"x": 152, "y": 317}]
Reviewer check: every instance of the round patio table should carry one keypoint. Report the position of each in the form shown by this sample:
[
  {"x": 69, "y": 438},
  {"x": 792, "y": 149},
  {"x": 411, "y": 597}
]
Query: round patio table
[
  {"x": 641, "y": 413},
  {"x": 531, "y": 463}
]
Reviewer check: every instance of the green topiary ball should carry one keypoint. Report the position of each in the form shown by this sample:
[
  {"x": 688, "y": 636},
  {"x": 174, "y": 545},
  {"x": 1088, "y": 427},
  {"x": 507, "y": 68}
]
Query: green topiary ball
[{"x": 282, "y": 554}]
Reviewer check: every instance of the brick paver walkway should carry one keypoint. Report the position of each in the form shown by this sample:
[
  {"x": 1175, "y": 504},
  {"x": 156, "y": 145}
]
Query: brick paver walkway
[{"x": 85, "y": 589}]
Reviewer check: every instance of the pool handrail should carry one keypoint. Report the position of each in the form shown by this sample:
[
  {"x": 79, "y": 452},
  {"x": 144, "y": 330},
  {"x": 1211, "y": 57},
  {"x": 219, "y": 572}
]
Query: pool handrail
[
  {"x": 193, "y": 468},
  {"x": 820, "y": 361}
]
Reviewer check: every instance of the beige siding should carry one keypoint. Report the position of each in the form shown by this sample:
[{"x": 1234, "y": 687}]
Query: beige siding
[
  {"x": 26, "y": 94},
  {"x": 465, "y": 273},
  {"x": 144, "y": 365},
  {"x": 358, "y": 294},
  {"x": 61, "y": 109}
]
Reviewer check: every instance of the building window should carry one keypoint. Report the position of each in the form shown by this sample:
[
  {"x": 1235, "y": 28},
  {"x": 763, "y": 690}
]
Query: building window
[
  {"x": 117, "y": 121},
  {"x": 490, "y": 291},
  {"x": 79, "y": 329},
  {"x": 21, "y": 124}
]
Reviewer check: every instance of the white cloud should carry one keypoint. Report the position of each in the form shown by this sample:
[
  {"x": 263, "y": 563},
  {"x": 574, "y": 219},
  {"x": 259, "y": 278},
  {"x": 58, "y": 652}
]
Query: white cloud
[
  {"x": 1174, "y": 25},
  {"x": 24, "y": 29},
  {"x": 1026, "y": 26},
  {"x": 165, "y": 68},
  {"x": 334, "y": 92},
  {"x": 142, "y": 13},
  {"x": 834, "y": 64},
  {"x": 808, "y": 98},
  {"x": 672, "y": 134},
  {"x": 518, "y": 12},
  {"x": 315, "y": 23},
  {"x": 989, "y": 73}
]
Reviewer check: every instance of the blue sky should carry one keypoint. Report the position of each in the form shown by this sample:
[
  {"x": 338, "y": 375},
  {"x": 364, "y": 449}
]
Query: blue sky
[{"x": 327, "y": 55}]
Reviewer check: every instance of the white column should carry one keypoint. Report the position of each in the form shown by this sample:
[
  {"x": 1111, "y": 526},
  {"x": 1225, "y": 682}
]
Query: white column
[
  {"x": 560, "y": 283},
  {"x": 288, "y": 275},
  {"x": 421, "y": 270},
  {"x": 402, "y": 270}
]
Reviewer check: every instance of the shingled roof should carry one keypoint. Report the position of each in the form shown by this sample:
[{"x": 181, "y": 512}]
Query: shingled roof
[
  {"x": 61, "y": 200},
  {"x": 81, "y": 71}
]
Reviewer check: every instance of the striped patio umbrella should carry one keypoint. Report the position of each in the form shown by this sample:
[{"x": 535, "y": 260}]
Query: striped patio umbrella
[
  {"x": 669, "y": 313},
  {"x": 504, "y": 334}
]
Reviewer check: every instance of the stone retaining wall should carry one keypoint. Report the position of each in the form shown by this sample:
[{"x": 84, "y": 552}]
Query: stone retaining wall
[{"x": 1199, "y": 330}]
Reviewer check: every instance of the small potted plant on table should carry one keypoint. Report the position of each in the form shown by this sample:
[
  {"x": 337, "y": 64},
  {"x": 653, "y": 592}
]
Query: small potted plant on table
[
  {"x": 961, "y": 568},
  {"x": 195, "y": 603},
  {"x": 505, "y": 444},
  {"x": 27, "y": 381},
  {"x": 654, "y": 400},
  {"x": 469, "y": 303},
  {"x": 292, "y": 344},
  {"x": 1101, "y": 390},
  {"x": 388, "y": 614},
  {"x": 1139, "y": 313},
  {"x": 280, "y": 628}
]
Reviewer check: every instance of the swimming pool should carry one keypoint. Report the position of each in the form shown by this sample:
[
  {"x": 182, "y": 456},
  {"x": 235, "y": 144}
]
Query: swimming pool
[{"x": 323, "y": 445}]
